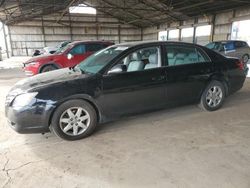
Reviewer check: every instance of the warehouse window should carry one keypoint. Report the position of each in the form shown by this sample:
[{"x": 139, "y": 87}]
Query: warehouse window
[
  {"x": 82, "y": 9},
  {"x": 240, "y": 31},
  {"x": 163, "y": 36},
  {"x": 187, "y": 32},
  {"x": 174, "y": 34},
  {"x": 203, "y": 30}
]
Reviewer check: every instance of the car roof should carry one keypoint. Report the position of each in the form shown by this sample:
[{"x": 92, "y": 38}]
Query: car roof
[
  {"x": 229, "y": 41},
  {"x": 92, "y": 41},
  {"x": 139, "y": 43}
]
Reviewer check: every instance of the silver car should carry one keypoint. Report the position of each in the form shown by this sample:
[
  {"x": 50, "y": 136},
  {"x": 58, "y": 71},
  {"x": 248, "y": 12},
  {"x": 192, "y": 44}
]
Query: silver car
[{"x": 232, "y": 48}]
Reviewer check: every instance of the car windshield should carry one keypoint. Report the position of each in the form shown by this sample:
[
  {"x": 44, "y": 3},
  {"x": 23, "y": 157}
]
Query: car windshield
[
  {"x": 214, "y": 45},
  {"x": 97, "y": 61},
  {"x": 63, "y": 49}
]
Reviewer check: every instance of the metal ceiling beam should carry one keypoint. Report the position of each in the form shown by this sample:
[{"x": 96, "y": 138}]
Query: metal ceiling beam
[
  {"x": 165, "y": 11},
  {"x": 127, "y": 12},
  {"x": 66, "y": 10},
  {"x": 30, "y": 14},
  {"x": 2, "y": 2},
  {"x": 121, "y": 19},
  {"x": 137, "y": 16},
  {"x": 193, "y": 5}
]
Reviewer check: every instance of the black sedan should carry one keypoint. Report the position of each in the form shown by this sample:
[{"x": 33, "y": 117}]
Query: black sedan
[{"x": 122, "y": 80}]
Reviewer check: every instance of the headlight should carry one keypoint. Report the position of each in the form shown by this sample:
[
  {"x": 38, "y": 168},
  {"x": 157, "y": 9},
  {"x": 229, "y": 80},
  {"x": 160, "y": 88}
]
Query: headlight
[
  {"x": 31, "y": 63},
  {"x": 23, "y": 99}
]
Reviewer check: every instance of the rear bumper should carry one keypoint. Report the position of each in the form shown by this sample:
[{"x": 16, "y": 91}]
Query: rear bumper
[{"x": 237, "y": 83}]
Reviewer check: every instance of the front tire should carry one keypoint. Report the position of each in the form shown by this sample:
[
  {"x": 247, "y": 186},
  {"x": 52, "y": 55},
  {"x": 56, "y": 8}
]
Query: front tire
[
  {"x": 48, "y": 68},
  {"x": 74, "y": 120},
  {"x": 213, "y": 96}
]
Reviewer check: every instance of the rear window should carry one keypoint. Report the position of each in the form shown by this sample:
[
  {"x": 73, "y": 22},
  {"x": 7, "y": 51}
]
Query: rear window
[
  {"x": 181, "y": 55},
  {"x": 214, "y": 55},
  {"x": 214, "y": 46},
  {"x": 94, "y": 47},
  {"x": 240, "y": 44}
]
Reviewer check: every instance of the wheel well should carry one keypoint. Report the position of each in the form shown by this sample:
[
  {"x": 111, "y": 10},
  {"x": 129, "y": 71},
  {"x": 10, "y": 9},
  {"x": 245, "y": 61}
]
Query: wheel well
[
  {"x": 223, "y": 81},
  {"x": 49, "y": 64},
  {"x": 91, "y": 103}
]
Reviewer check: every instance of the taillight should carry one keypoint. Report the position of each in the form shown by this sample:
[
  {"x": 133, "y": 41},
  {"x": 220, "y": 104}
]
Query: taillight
[{"x": 240, "y": 65}]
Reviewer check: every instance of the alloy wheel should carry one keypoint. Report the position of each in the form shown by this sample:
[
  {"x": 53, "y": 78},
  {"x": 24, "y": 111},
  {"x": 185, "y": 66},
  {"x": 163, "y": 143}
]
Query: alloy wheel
[
  {"x": 245, "y": 58},
  {"x": 74, "y": 121},
  {"x": 214, "y": 96}
]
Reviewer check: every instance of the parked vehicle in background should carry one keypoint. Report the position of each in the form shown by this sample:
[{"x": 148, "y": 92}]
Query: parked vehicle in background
[
  {"x": 239, "y": 49},
  {"x": 51, "y": 49},
  {"x": 122, "y": 80},
  {"x": 68, "y": 56},
  {"x": 232, "y": 48}
]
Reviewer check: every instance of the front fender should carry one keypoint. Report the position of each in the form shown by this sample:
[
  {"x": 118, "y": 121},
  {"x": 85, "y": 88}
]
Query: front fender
[{"x": 85, "y": 97}]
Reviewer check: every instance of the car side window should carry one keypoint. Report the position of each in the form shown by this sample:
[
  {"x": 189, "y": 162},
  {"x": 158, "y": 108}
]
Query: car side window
[
  {"x": 182, "y": 55},
  {"x": 229, "y": 46},
  {"x": 240, "y": 44},
  {"x": 237, "y": 44},
  {"x": 94, "y": 47},
  {"x": 78, "y": 50},
  {"x": 139, "y": 60},
  {"x": 245, "y": 44}
]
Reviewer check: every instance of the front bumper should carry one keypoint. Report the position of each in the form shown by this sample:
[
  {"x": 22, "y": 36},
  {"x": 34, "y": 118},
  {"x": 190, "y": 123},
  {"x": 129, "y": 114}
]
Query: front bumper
[
  {"x": 31, "y": 119},
  {"x": 30, "y": 70}
]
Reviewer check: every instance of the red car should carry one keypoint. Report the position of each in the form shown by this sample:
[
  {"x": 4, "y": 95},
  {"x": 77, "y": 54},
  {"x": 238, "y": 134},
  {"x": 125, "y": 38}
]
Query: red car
[{"x": 67, "y": 56}]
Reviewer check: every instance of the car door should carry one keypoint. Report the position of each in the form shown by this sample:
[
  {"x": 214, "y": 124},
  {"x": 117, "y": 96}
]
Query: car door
[
  {"x": 188, "y": 70},
  {"x": 78, "y": 54},
  {"x": 230, "y": 49},
  {"x": 140, "y": 88}
]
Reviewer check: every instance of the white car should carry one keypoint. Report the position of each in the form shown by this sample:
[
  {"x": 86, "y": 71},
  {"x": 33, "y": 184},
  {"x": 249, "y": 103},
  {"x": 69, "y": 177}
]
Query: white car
[{"x": 51, "y": 49}]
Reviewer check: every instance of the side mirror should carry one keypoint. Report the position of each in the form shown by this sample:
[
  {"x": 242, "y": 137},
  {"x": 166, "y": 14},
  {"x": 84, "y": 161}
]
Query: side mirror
[
  {"x": 117, "y": 69},
  {"x": 70, "y": 56}
]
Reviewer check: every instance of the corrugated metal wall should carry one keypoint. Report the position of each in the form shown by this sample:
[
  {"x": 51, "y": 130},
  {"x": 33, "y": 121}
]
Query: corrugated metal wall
[
  {"x": 28, "y": 36},
  {"x": 31, "y": 35},
  {"x": 222, "y": 26}
]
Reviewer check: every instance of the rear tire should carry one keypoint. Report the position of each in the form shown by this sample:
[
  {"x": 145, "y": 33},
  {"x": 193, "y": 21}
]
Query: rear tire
[
  {"x": 245, "y": 58},
  {"x": 74, "y": 120},
  {"x": 213, "y": 96},
  {"x": 48, "y": 68}
]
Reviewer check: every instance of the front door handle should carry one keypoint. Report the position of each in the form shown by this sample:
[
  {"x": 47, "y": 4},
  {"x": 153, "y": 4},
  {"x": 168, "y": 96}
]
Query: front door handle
[{"x": 158, "y": 78}]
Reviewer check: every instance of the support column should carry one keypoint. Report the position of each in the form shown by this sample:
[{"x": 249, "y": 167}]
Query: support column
[
  {"x": 168, "y": 25},
  {"x": 141, "y": 34},
  {"x": 194, "y": 34},
  {"x": 43, "y": 33},
  {"x": 230, "y": 34},
  {"x": 11, "y": 42},
  {"x": 213, "y": 28},
  {"x": 97, "y": 27},
  {"x": 5, "y": 40},
  {"x": 119, "y": 33},
  {"x": 70, "y": 28},
  {"x": 181, "y": 23}
]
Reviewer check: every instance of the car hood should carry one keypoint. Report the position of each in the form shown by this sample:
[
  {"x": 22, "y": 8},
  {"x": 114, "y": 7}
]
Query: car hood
[
  {"x": 47, "y": 57},
  {"x": 45, "y": 79}
]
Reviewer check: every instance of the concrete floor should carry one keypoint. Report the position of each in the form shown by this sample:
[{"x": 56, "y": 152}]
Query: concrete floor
[{"x": 183, "y": 147}]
